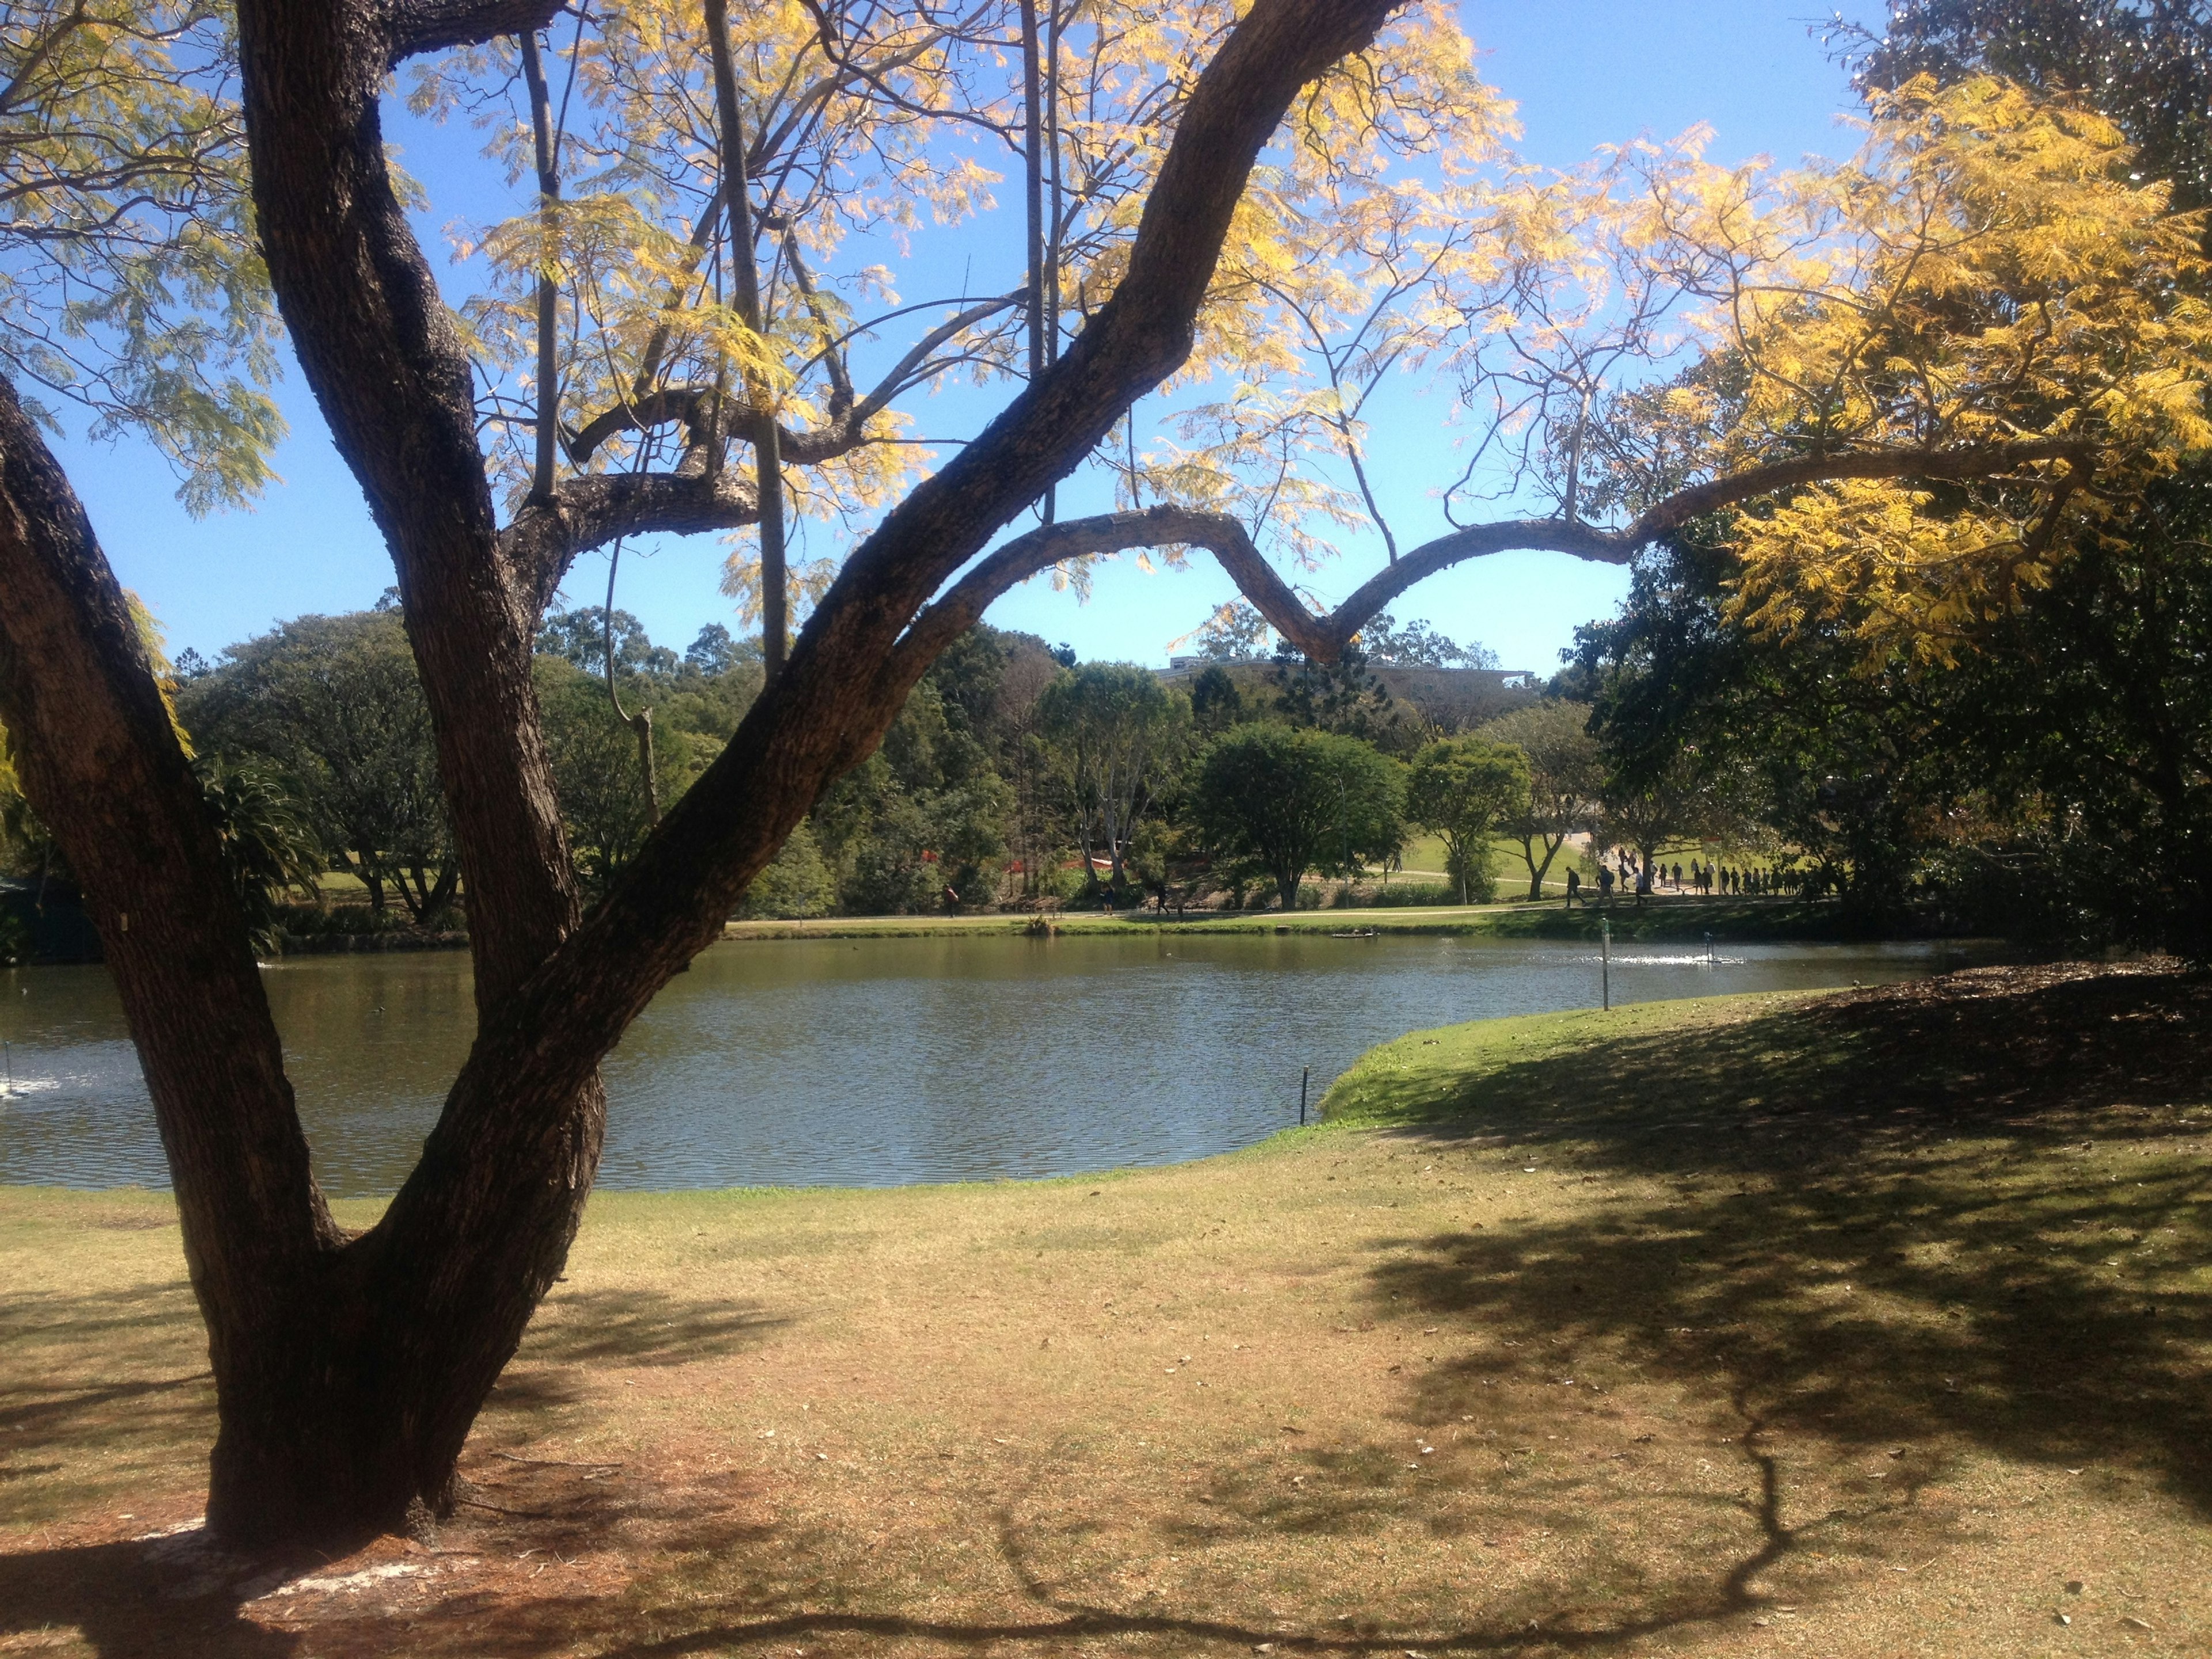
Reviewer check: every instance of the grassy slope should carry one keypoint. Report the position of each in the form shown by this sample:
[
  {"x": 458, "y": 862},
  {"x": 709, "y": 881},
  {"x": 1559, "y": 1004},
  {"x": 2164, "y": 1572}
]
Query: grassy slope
[{"x": 1853, "y": 1326}]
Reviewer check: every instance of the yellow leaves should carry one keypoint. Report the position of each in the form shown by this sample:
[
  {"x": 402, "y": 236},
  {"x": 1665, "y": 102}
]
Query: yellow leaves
[{"x": 1985, "y": 271}]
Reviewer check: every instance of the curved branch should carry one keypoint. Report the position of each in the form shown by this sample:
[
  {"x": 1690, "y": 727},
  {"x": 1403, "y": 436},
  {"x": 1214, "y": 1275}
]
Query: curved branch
[
  {"x": 692, "y": 405},
  {"x": 547, "y": 538},
  {"x": 1321, "y": 637}
]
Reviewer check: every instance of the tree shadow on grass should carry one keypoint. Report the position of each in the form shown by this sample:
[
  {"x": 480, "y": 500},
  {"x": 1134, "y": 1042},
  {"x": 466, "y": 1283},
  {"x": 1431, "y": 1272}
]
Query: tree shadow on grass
[
  {"x": 634, "y": 1326},
  {"x": 1933, "y": 1219}
]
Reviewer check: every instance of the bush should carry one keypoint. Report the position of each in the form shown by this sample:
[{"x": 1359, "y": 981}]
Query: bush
[{"x": 1414, "y": 893}]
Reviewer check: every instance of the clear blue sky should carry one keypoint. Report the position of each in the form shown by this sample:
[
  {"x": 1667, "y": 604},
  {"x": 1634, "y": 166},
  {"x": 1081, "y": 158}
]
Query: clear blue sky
[{"x": 1583, "y": 73}]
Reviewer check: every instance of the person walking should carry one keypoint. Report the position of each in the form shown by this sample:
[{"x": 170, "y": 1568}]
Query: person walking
[{"x": 1574, "y": 886}]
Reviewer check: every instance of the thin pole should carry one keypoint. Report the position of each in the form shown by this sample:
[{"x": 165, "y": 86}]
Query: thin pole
[
  {"x": 8, "y": 1049},
  {"x": 1305, "y": 1076},
  {"x": 1709, "y": 951},
  {"x": 1605, "y": 961}
]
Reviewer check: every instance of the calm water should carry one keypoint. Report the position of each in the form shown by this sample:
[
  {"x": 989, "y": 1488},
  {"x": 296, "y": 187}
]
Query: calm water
[{"x": 868, "y": 1062}]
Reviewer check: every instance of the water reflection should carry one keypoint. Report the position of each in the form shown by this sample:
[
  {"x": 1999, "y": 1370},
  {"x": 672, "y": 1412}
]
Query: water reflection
[{"x": 868, "y": 1062}]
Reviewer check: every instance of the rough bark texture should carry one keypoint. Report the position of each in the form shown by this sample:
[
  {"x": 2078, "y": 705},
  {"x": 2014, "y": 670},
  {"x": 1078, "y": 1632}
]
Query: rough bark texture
[{"x": 99, "y": 760}]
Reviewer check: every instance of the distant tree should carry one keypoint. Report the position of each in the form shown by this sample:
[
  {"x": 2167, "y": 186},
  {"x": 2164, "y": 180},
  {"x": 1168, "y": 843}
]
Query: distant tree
[
  {"x": 1215, "y": 704},
  {"x": 797, "y": 883},
  {"x": 1121, "y": 737},
  {"x": 713, "y": 653},
  {"x": 1235, "y": 633},
  {"x": 580, "y": 636},
  {"x": 1344, "y": 696},
  {"x": 1465, "y": 789},
  {"x": 607, "y": 805},
  {"x": 1284, "y": 800},
  {"x": 333, "y": 704},
  {"x": 1418, "y": 645},
  {"x": 1566, "y": 779}
]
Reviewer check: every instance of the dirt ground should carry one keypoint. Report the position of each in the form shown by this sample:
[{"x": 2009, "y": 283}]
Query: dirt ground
[{"x": 1873, "y": 1325}]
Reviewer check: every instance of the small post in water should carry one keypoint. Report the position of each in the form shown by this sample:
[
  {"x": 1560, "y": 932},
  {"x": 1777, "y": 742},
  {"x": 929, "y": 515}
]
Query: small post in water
[
  {"x": 1305, "y": 1076},
  {"x": 8, "y": 1052},
  {"x": 1605, "y": 961},
  {"x": 1709, "y": 951}
]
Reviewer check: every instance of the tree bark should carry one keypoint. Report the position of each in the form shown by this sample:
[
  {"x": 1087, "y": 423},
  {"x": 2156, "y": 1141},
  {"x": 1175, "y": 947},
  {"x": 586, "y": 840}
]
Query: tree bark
[{"x": 101, "y": 764}]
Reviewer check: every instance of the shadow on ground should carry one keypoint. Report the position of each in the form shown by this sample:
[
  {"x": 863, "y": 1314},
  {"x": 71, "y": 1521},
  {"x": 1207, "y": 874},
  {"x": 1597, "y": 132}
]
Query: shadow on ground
[{"x": 1931, "y": 1218}]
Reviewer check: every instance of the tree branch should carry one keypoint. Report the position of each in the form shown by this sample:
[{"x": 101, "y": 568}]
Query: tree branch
[
  {"x": 1323, "y": 637},
  {"x": 546, "y": 538},
  {"x": 414, "y": 26},
  {"x": 98, "y": 755},
  {"x": 693, "y": 405},
  {"x": 846, "y": 680}
]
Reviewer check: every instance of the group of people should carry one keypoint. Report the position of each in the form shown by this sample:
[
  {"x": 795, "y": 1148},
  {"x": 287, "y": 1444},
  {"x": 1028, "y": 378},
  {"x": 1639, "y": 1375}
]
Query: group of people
[{"x": 1643, "y": 876}]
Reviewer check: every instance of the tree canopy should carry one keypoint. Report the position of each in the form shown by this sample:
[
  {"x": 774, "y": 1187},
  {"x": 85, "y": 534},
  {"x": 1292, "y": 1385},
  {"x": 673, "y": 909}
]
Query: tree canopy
[
  {"x": 1289, "y": 800},
  {"x": 1466, "y": 789}
]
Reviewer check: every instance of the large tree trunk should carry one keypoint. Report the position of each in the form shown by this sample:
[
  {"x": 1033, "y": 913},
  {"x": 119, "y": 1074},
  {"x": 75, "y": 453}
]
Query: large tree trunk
[{"x": 347, "y": 1371}]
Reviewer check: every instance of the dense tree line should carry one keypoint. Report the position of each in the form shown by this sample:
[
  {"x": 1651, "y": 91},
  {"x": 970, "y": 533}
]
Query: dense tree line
[{"x": 1012, "y": 774}]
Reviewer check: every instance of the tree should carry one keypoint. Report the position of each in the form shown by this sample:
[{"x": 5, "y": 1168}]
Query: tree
[
  {"x": 1121, "y": 737},
  {"x": 334, "y": 704},
  {"x": 1465, "y": 789},
  {"x": 2148, "y": 67},
  {"x": 607, "y": 806},
  {"x": 1215, "y": 704},
  {"x": 1420, "y": 645},
  {"x": 267, "y": 844},
  {"x": 1566, "y": 777},
  {"x": 1287, "y": 800},
  {"x": 130, "y": 287},
  {"x": 347, "y": 1370}
]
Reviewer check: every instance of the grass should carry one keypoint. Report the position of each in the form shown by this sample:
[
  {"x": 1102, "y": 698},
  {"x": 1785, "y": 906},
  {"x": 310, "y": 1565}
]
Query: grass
[
  {"x": 1663, "y": 917},
  {"x": 1854, "y": 1325}
]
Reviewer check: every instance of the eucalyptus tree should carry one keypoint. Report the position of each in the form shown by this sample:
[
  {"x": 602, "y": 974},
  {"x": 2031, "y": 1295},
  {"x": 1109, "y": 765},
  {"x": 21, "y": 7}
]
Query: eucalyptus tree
[
  {"x": 1121, "y": 738},
  {"x": 1996, "y": 246}
]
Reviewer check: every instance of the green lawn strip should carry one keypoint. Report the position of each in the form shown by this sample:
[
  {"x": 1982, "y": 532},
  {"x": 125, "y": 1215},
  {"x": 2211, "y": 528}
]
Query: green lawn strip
[
  {"x": 1540, "y": 1065},
  {"x": 1660, "y": 919}
]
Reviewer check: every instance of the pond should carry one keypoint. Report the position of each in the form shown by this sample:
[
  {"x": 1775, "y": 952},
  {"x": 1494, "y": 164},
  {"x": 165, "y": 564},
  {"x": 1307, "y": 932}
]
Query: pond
[{"x": 868, "y": 1062}]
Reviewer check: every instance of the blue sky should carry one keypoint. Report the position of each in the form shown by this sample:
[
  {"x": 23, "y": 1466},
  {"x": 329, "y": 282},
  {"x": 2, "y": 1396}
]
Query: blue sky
[{"x": 1583, "y": 73}]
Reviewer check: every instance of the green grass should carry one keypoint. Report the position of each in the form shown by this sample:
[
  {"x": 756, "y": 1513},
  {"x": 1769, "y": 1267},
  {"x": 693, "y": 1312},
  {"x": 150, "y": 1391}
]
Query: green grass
[{"x": 1660, "y": 919}]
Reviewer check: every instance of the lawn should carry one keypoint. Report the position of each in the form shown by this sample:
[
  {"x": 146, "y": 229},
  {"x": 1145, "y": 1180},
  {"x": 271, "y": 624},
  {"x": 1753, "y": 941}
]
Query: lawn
[{"x": 1865, "y": 1324}]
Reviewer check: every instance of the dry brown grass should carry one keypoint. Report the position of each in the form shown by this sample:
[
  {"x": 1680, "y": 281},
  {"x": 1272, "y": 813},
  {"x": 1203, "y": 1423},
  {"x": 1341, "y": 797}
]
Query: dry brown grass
[{"x": 1763, "y": 1327}]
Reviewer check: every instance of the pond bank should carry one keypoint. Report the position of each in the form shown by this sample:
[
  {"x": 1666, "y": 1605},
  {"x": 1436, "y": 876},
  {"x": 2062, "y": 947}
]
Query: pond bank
[
  {"x": 1663, "y": 919},
  {"x": 1872, "y": 1322}
]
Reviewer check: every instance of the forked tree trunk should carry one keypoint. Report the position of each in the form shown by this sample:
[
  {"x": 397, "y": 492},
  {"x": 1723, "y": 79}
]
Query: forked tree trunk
[{"x": 348, "y": 1370}]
